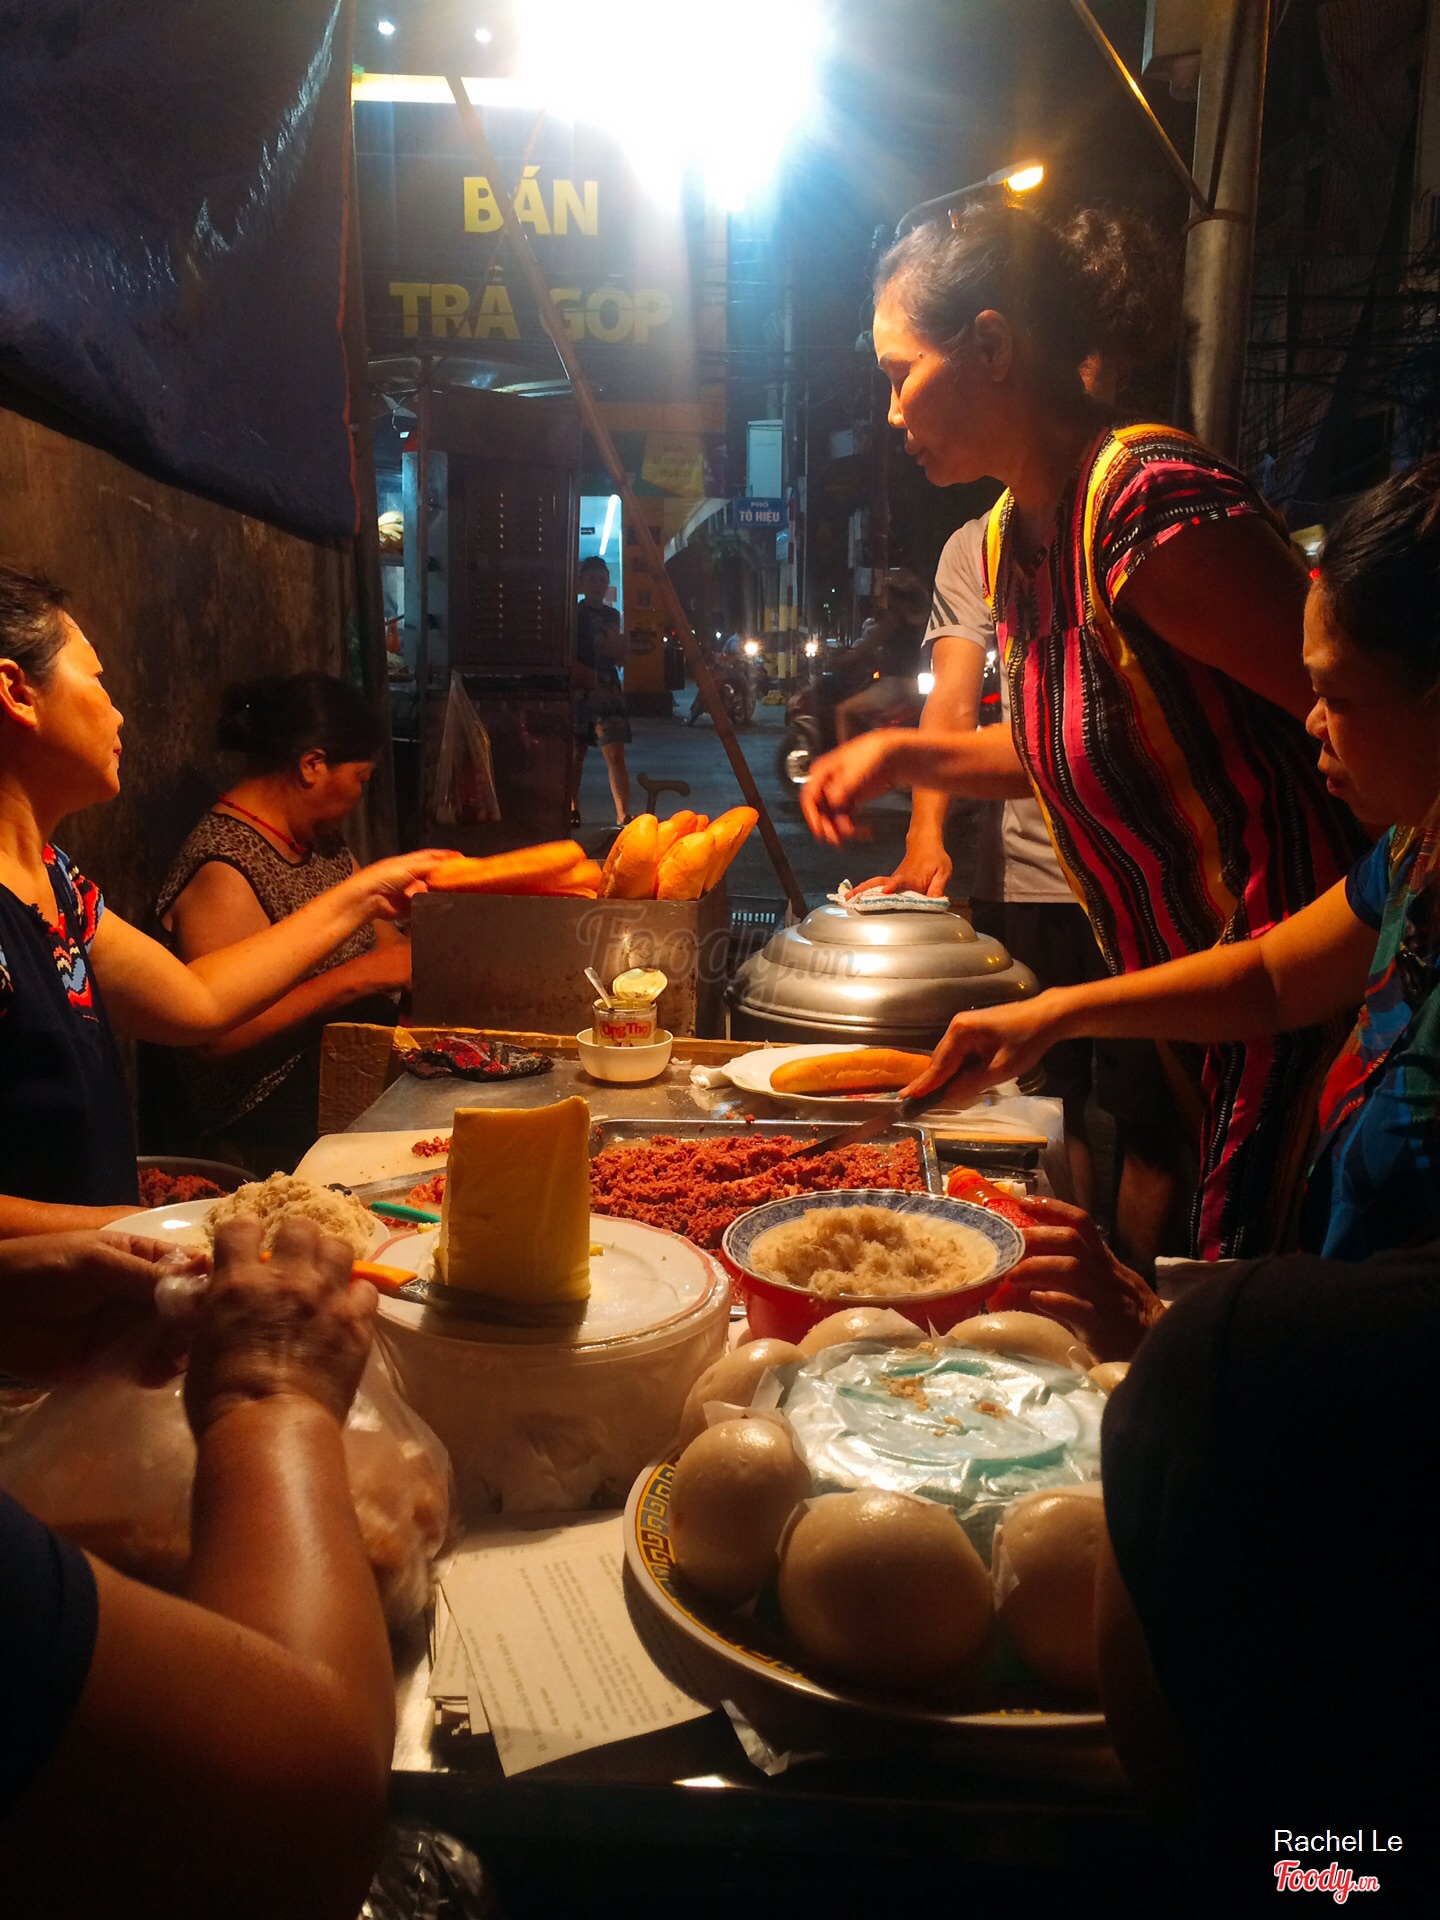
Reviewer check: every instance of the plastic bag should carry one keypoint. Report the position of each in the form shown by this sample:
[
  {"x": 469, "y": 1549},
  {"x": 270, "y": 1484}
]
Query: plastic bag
[
  {"x": 428, "y": 1875},
  {"x": 463, "y": 794},
  {"x": 110, "y": 1463}
]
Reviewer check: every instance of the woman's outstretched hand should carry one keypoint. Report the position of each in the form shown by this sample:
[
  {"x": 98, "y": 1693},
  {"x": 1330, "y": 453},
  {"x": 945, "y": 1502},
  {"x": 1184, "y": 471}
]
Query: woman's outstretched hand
[
  {"x": 1070, "y": 1275},
  {"x": 981, "y": 1049},
  {"x": 388, "y": 886},
  {"x": 841, "y": 782}
]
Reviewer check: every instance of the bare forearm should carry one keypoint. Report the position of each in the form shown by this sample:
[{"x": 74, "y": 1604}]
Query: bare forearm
[
  {"x": 19, "y": 1217},
  {"x": 980, "y": 764},
  {"x": 241, "y": 980},
  {"x": 1223, "y": 994},
  {"x": 928, "y": 813},
  {"x": 155, "y": 996},
  {"x": 325, "y": 993},
  {"x": 277, "y": 1549}
]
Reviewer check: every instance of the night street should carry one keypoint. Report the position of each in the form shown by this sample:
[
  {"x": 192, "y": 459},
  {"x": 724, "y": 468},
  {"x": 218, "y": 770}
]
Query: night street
[{"x": 668, "y": 749}]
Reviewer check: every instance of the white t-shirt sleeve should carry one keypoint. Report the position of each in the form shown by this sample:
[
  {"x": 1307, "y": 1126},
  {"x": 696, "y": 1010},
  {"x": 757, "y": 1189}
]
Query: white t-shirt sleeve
[{"x": 958, "y": 607}]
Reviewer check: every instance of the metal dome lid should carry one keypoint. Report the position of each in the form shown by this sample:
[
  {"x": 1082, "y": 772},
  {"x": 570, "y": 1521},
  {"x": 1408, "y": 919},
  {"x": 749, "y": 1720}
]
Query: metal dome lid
[{"x": 860, "y": 972}]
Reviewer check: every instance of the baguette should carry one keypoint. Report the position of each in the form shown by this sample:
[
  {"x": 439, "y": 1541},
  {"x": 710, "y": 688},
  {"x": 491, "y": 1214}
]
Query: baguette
[
  {"x": 683, "y": 869},
  {"x": 526, "y": 870},
  {"x": 727, "y": 835},
  {"x": 630, "y": 871},
  {"x": 866, "y": 1070},
  {"x": 673, "y": 829}
]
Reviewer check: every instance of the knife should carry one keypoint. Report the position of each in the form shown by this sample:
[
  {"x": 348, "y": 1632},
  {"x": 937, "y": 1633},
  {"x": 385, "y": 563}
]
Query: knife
[{"x": 904, "y": 1113}]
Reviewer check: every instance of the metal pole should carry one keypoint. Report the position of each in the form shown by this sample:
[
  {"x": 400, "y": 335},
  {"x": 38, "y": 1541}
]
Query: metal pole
[
  {"x": 1132, "y": 86},
  {"x": 649, "y": 546},
  {"x": 422, "y": 541},
  {"x": 1219, "y": 253}
]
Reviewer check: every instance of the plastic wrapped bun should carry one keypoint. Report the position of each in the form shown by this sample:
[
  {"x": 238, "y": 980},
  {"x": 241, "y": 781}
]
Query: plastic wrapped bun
[
  {"x": 735, "y": 1487},
  {"x": 884, "y": 1589},
  {"x": 111, "y": 1464},
  {"x": 1031, "y": 1335},
  {"x": 732, "y": 1380},
  {"x": 1108, "y": 1375},
  {"x": 861, "y": 1323},
  {"x": 399, "y": 1478},
  {"x": 1044, "y": 1571}
]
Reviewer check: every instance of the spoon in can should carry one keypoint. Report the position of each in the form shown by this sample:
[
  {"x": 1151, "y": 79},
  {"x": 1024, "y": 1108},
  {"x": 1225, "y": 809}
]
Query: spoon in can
[{"x": 603, "y": 991}]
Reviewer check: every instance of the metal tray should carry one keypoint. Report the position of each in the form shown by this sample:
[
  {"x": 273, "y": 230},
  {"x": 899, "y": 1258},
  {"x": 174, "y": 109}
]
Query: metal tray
[{"x": 629, "y": 1133}]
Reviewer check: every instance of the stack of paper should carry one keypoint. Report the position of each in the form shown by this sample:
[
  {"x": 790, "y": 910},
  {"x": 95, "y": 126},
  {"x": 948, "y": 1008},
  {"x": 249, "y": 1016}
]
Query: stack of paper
[
  {"x": 453, "y": 1686},
  {"x": 537, "y": 1615}
]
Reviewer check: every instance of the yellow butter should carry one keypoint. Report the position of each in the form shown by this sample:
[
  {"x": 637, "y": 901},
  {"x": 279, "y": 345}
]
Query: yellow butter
[{"x": 515, "y": 1220}]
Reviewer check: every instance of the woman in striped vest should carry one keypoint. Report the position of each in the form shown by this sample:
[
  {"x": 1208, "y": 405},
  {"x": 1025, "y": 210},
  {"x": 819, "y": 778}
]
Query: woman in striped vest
[{"x": 1149, "y": 613}]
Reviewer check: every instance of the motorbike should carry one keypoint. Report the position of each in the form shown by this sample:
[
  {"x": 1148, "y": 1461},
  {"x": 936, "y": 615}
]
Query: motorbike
[
  {"x": 810, "y": 727},
  {"x": 738, "y": 680}
]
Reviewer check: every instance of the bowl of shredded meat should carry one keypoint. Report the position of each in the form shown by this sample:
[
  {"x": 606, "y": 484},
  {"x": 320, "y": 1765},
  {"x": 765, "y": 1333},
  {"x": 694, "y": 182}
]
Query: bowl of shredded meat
[
  {"x": 171, "y": 1180},
  {"x": 933, "y": 1259}
]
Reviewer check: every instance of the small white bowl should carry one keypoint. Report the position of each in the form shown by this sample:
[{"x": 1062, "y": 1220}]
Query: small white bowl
[{"x": 624, "y": 1066}]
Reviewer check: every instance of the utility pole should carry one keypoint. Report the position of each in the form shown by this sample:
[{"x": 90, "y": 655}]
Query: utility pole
[
  {"x": 1226, "y": 41},
  {"x": 1220, "y": 246}
]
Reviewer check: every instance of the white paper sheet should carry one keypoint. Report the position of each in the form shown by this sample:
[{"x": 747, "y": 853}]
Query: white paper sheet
[{"x": 559, "y": 1664}]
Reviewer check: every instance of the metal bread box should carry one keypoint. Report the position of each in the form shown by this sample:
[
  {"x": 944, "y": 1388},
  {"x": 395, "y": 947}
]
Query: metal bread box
[
  {"x": 882, "y": 979},
  {"x": 518, "y": 961}
]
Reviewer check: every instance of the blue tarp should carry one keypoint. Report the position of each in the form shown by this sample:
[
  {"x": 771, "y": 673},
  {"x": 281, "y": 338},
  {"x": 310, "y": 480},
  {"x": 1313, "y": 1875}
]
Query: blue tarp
[{"x": 172, "y": 196}]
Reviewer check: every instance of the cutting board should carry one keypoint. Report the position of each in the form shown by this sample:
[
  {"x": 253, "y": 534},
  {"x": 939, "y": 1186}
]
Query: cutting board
[{"x": 354, "y": 1158}]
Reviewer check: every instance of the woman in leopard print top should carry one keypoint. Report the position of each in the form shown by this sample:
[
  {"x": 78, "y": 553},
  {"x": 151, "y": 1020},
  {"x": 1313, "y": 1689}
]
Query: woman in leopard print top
[{"x": 268, "y": 846}]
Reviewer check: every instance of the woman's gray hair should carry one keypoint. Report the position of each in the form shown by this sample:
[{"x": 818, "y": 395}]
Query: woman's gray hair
[{"x": 32, "y": 634}]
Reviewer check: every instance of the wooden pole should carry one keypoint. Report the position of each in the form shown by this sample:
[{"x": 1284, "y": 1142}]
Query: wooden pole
[
  {"x": 380, "y": 812},
  {"x": 590, "y": 413}
]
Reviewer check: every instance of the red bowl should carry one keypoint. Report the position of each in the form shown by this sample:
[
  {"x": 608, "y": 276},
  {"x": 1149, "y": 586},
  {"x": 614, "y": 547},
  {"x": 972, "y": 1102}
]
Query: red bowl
[{"x": 778, "y": 1311}]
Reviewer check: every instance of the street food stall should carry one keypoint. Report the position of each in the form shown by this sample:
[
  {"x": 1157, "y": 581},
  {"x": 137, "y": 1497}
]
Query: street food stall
[{"x": 668, "y": 1715}]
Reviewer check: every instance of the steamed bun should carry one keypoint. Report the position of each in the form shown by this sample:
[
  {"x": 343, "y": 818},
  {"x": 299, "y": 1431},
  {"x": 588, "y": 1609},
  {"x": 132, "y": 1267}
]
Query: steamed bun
[
  {"x": 861, "y": 1323},
  {"x": 733, "y": 1379},
  {"x": 734, "y": 1489},
  {"x": 1045, "y": 1558},
  {"x": 884, "y": 1589},
  {"x": 1031, "y": 1336},
  {"x": 1108, "y": 1375}
]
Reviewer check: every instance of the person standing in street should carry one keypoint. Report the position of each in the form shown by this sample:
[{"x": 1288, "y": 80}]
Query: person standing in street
[{"x": 600, "y": 717}]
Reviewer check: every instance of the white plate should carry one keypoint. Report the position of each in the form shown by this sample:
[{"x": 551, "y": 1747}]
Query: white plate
[
  {"x": 752, "y": 1071},
  {"x": 755, "y": 1645},
  {"x": 180, "y": 1223},
  {"x": 641, "y": 1280},
  {"x": 176, "y": 1223}
]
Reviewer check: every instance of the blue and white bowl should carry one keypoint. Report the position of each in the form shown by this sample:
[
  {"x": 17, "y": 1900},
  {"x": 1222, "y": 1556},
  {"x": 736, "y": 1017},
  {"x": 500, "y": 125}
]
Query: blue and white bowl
[{"x": 779, "y": 1311}]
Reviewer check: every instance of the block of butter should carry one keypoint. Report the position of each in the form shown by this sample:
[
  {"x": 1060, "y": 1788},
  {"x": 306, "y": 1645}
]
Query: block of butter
[{"x": 515, "y": 1221}]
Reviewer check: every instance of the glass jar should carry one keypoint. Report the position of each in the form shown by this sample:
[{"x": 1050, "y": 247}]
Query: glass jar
[{"x": 624, "y": 1023}]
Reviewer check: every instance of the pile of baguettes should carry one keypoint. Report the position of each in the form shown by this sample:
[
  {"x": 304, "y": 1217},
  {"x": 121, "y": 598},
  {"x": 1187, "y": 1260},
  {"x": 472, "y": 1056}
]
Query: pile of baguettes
[{"x": 676, "y": 859}]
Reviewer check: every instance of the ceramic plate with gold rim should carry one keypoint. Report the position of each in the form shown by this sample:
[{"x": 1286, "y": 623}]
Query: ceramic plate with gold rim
[{"x": 758, "y": 1643}]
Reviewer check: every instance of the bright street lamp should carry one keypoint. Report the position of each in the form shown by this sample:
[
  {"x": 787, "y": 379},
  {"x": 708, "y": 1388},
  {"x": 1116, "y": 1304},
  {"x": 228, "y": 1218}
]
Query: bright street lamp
[{"x": 1018, "y": 179}]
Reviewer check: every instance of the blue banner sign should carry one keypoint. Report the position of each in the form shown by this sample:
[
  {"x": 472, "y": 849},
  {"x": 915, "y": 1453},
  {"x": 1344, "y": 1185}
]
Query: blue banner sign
[{"x": 760, "y": 513}]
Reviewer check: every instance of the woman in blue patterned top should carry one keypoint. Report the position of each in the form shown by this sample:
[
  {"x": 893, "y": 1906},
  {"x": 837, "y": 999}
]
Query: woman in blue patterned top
[
  {"x": 67, "y": 1157},
  {"x": 1372, "y": 649}
]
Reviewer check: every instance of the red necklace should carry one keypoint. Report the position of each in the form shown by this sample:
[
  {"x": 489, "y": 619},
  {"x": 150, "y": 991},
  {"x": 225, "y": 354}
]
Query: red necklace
[{"x": 295, "y": 846}]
